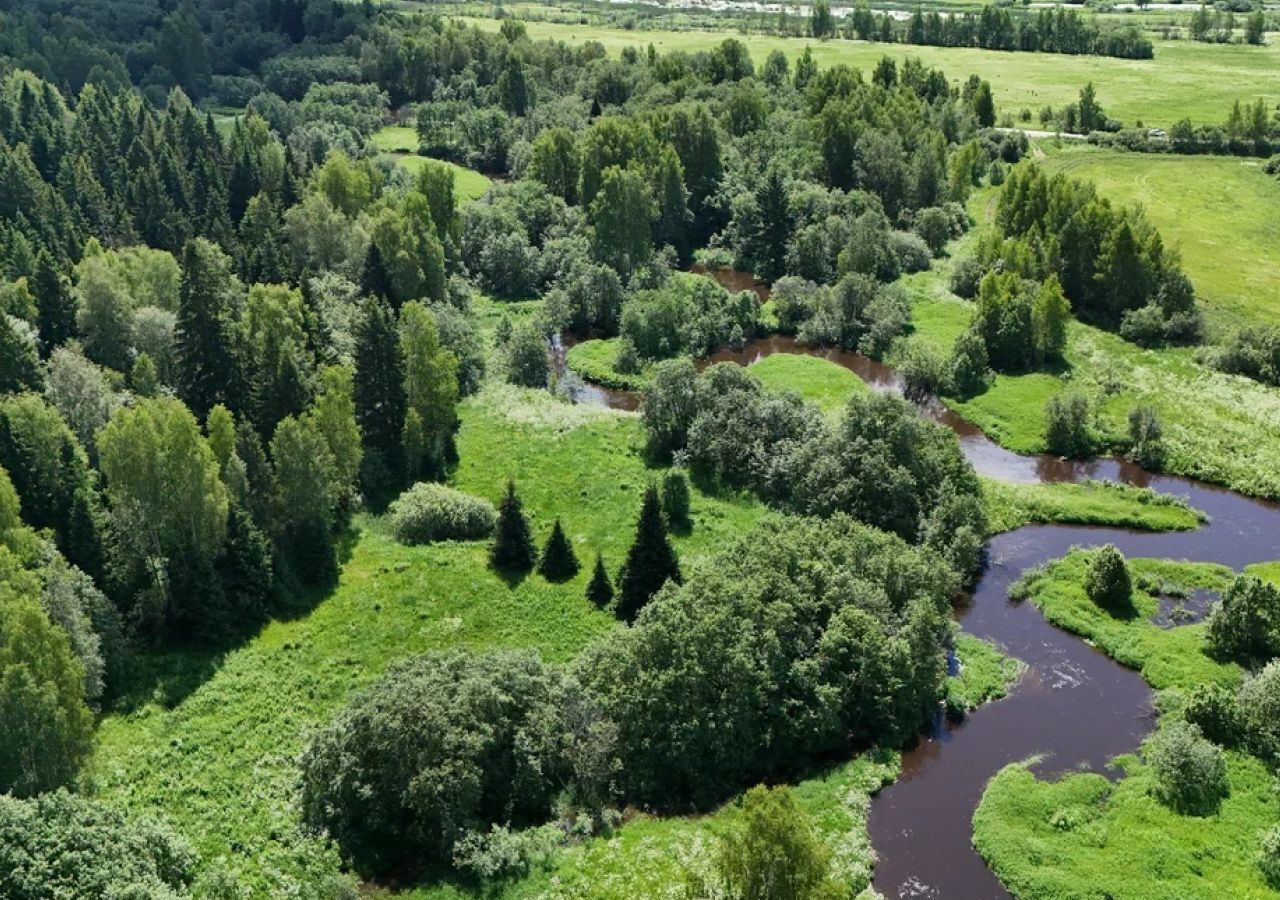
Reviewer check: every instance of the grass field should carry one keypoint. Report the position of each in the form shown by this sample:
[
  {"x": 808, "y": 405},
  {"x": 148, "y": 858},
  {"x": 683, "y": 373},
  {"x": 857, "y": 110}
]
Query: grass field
[
  {"x": 822, "y": 383},
  {"x": 1219, "y": 428},
  {"x": 1085, "y": 836},
  {"x": 1011, "y": 506},
  {"x": 401, "y": 141},
  {"x": 1186, "y": 79},
  {"x": 1219, "y": 212}
]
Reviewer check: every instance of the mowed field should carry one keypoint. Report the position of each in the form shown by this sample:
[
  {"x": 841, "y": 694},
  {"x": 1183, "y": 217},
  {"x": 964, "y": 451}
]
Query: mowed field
[
  {"x": 1186, "y": 79},
  {"x": 1222, "y": 213}
]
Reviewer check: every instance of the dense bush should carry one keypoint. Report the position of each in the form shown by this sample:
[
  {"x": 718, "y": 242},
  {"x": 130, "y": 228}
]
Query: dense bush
[
  {"x": 688, "y": 315},
  {"x": 432, "y": 512},
  {"x": 1190, "y": 772},
  {"x": 1067, "y": 432},
  {"x": 1245, "y": 625},
  {"x": 1269, "y": 856},
  {"x": 1212, "y": 709},
  {"x": 1146, "y": 437},
  {"x": 60, "y": 845},
  {"x": 439, "y": 747},
  {"x": 1107, "y": 580},
  {"x": 763, "y": 659},
  {"x": 857, "y": 313},
  {"x": 1259, "y": 706},
  {"x": 773, "y": 852},
  {"x": 1252, "y": 352}
]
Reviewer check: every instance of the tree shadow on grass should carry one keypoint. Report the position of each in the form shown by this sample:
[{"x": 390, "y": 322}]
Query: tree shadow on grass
[{"x": 167, "y": 675}]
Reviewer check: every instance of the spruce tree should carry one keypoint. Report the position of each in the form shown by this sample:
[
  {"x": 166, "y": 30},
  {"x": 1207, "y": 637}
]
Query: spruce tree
[
  {"x": 207, "y": 366},
  {"x": 559, "y": 563},
  {"x": 600, "y": 590},
  {"x": 375, "y": 280},
  {"x": 380, "y": 400},
  {"x": 513, "y": 549},
  {"x": 650, "y": 561},
  {"x": 56, "y": 305}
]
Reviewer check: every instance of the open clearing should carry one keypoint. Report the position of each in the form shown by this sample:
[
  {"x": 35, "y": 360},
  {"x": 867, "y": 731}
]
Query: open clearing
[
  {"x": 1221, "y": 212},
  {"x": 1186, "y": 79}
]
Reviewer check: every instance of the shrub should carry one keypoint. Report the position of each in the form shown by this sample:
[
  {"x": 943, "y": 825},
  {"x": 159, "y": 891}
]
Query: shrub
[
  {"x": 772, "y": 853},
  {"x": 933, "y": 225},
  {"x": 432, "y": 512},
  {"x": 1269, "y": 856},
  {"x": 1212, "y": 709},
  {"x": 1245, "y": 625},
  {"x": 1146, "y": 437},
  {"x": 911, "y": 251},
  {"x": 1107, "y": 580},
  {"x": 968, "y": 364},
  {"x": 1190, "y": 772},
  {"x": 924, "y": 373},
  {"x": 502, "y": 853},
  {"x": 966, "y": 275},
  {"x": 439, "y": 746},
  {"x": 1067, "y": 430},
  {"x": 62, "y": 845},
  {"x": 675, "y": 499},
  {"x": 1259, "y": 705}
]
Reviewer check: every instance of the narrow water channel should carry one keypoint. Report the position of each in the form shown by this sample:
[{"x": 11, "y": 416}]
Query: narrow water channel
[{"x": 1074, "y": 708}]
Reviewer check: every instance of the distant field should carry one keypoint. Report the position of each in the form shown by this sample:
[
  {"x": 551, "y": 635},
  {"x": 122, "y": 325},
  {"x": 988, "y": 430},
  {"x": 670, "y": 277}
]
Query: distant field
[
  {"x": 1186, "y": 79},
  {"x": 1222, "y": 213},
  {"x": 401, "y": 141}
]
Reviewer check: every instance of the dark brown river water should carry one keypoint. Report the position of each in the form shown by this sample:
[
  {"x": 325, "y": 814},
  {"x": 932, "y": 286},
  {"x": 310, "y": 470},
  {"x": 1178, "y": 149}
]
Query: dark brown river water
[{"x": 1074, "y": 707}]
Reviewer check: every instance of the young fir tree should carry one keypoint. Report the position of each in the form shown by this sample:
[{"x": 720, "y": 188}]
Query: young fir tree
[
  {"x": 56, "y": 305},
  {"x": 513, "y": 549},
  {"x": 600, "y": 590},
  {"x": 650, "y": 561},
  {"x": 559, "y": 563}
]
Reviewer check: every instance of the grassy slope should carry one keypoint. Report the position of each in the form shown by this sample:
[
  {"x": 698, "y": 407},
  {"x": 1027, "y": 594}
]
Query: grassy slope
[
  {"x": 1195, "y": 80},
  {"x": 1219, "y": 428},
  {"x": 1084, "y": 836},
  {"x": 1220, "y": 212}
]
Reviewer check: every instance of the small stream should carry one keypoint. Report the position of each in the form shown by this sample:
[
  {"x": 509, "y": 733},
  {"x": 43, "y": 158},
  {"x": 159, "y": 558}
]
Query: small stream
[{"x": 1074, "y": 707}]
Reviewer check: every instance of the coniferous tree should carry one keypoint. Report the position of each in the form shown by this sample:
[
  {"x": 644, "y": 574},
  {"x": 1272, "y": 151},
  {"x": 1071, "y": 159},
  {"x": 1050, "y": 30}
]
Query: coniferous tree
[
  {"x": 558, "y": 563},
  {"x": 207, "y": 365},
  {"x": 56, "y": 304},
  {"x": 513, "y": 549},
  {"x": 375, "y": 280},
  {"x": 380, "y": 400},
  {"x": 651, "y": 561},
  {"x": 600, "y": 590}
]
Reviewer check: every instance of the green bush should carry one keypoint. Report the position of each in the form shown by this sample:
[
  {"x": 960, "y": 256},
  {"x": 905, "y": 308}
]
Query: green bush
[
  {"x": 62, "y": 845},
  {"x": 1107, "y": 581},
  {"x": 440, "y": 746},
  {"x": 1212, "y": 709},
  {"x": 675, "y": 499},
  {"x": 432, "y": 512},
  {"x": 1245, "y": 625},
  {"x": 1190, "y": 772},
  {"x": 1067, "y": 429},
  {"x": 1259, "y": 705},
  {"x": 1269, "y": 856}
]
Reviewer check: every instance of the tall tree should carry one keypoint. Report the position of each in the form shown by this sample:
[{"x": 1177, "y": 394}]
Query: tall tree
[
  {"x": 380, "y": 400},
  {"x": 651, "y": 561},
  {"x": 208, "y": 367},
  {"x": 622, "y": 218},
  {"x": 431, "y": 391},
  {"x": 56, "y": 304}
]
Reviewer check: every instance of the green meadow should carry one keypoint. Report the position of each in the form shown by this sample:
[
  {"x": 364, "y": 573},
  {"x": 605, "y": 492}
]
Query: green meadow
[
  {"x": 1219, "y": 212},
  {"x": 1186, "y": 79},
  {"x": 401, "y": 142}
]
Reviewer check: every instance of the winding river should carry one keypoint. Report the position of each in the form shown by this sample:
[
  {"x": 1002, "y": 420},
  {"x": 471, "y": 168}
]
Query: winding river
[{"x": 1074, "y": 707}]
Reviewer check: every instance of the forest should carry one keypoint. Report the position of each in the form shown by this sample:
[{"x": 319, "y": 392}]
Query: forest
[{"x": 326, "y": 574}]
